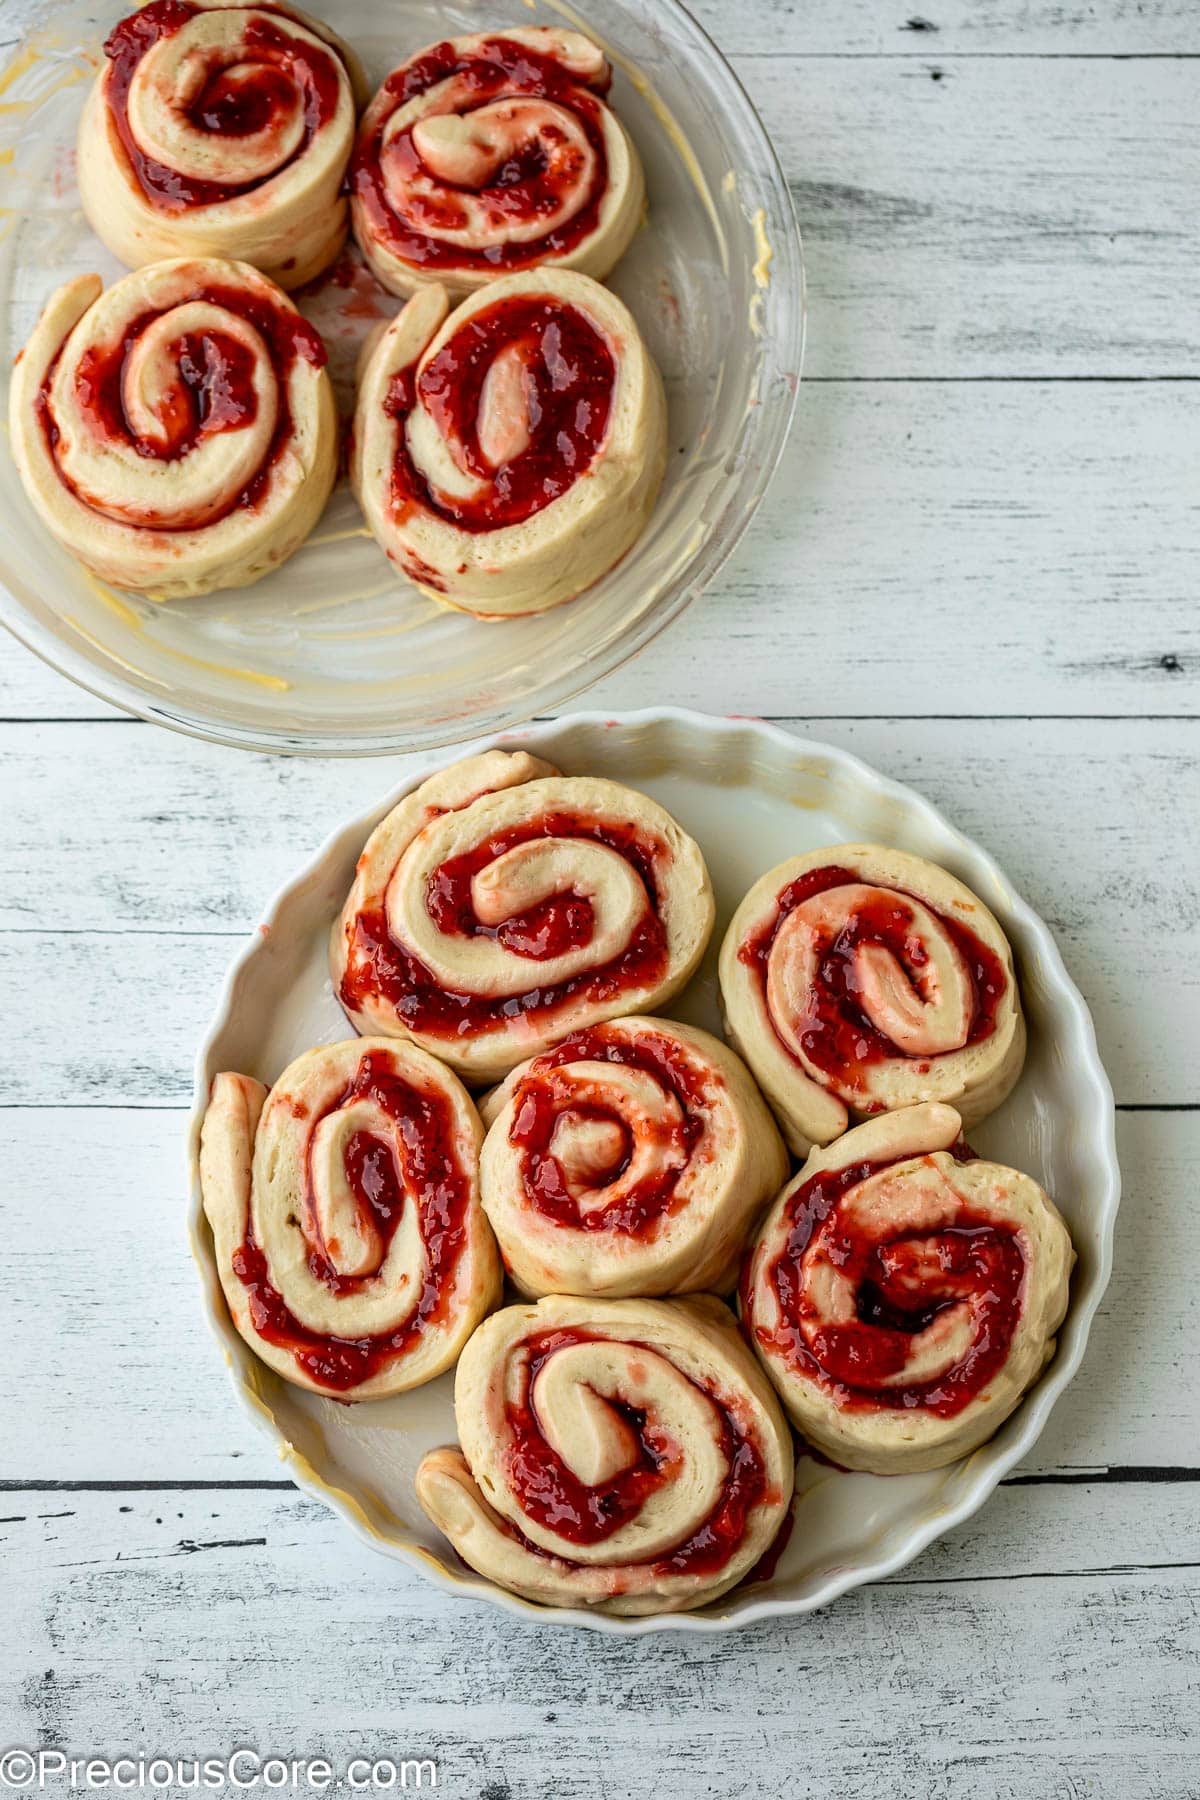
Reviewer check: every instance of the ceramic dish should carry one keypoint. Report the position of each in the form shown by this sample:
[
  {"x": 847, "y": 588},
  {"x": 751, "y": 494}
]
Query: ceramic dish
[
  {"x": 751, "y": 795},
  {"x": 335, "y": 653}
]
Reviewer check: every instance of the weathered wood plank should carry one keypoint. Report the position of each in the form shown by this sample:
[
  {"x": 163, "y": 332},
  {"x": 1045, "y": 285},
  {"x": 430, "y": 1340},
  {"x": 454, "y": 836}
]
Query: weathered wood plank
[
  {"x": 100, "y": 1280},
  {"x": 1017, "y": 28},
  {"x": 967, "y": 27},
  {"x": 992, "y": 216},
  {"x": 134, "y": 957},
  {"x": 975, "y": 547},
  {"x": 963, "y": 1674},
  {"x": 992, "y": 197},
  {"x": 1057, "y": 1528}
]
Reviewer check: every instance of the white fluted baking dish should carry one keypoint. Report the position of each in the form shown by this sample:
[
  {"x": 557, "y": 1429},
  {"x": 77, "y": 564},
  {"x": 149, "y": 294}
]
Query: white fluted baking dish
[{"x": 752, "y": 795}]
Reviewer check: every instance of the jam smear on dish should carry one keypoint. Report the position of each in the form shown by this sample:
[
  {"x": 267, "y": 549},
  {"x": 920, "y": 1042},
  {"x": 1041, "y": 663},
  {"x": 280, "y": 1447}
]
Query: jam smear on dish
[
  {"x": 549, "y": 1493},
  {"x": 902, "y": 1284},
  {"x": 231, "y": 103},
  {"x": 837, "y": 1035},
  {"x": 523, "y": 187},
  {"x": 379, "y": 967},
  {"x": 432, "y": 1180},
  {"x": 214, "y": 391},
  {"x": 569, "y": 374},
  {"x": 540, "y": 1100}
]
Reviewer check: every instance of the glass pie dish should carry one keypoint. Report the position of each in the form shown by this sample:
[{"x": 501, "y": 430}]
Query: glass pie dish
[{"x": 335, "y": 653}]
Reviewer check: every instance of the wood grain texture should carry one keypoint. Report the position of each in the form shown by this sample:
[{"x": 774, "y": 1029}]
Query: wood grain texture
[
  {"x": 299, "y": 1642},
  {"x": 170, "y": 858},
  {"x": 1008, "y": 28},
  {"x": 977, "y": 569},
  {"x": 989, "y": 217}
]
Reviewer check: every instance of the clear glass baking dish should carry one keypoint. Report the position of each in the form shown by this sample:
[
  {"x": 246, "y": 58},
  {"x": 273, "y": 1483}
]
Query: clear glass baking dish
[{"x": 335, "y": 653}]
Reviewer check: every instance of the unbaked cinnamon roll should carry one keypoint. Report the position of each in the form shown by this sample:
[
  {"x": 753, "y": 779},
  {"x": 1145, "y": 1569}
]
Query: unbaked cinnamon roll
[
  {"x": 904, "y": 1293},
  {"x": 221, "y": 130},
  {"x": 177, "y": 433},
  {"x": 626, "y": 1455},
  {"x": 344, "y": 1205},
  {"x": 501, "y": 906},
  {"x": 631, "y": 1159},
  {"x": 494, "y": 152},
  {"x": 857, "y": 979},
  {"x": 507, "y": 456}
]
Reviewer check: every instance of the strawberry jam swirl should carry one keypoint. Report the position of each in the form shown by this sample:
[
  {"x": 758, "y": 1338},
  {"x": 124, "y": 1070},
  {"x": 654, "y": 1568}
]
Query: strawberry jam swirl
[
  {"x": 527, "y": 186},
  {"x": 548, "y": 1095},
  {"x": 378, "y": 965},
  {"x": 265, "y": 93},
  {"x": 521, "y": 395},
  {"x": 554, "y": 1498},
  {"x": 902, "y": 1282},
  {"x": 836, "y": 1030},
  {"x": 215, "y": 382},
  {"x": 414, "y": 1168}
]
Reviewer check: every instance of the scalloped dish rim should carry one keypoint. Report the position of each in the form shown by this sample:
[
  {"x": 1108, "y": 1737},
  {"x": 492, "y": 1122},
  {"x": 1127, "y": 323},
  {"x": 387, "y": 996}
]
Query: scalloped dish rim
[{"x": 980, "y": 1473}]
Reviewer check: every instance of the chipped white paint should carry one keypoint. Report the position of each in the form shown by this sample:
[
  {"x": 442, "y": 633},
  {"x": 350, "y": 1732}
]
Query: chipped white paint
[{"x": 977, "y": 570}]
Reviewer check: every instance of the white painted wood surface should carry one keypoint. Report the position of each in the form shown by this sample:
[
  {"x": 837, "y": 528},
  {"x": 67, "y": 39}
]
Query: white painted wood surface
[{"x": 978, "y": 569}]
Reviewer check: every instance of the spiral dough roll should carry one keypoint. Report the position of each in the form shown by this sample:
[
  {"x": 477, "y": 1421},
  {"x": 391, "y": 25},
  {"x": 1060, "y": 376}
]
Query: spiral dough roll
[
  {"x": 508, "y": 456},
  {"x": 344, "y": 1205},
  {"x": 626, "y": 1455},
  {"x": 631, "y": 1160},
  {"x": 903, "y": 1293},
  {"x": 501, "y": 906},
  {"x": 857, "y": 979},
  {"x": 490, "y": 153},
  {"x": 177, "y": 433},
  {"x": 220, "y": 130}
]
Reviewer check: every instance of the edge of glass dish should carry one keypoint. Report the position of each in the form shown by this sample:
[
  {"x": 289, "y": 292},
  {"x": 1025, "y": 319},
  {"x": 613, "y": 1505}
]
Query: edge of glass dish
[{"x": 781, "y": 328}]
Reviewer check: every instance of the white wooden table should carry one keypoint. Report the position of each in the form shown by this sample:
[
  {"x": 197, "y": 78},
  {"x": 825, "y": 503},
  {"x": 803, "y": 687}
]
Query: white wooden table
[{"x": 977, "y": 568}]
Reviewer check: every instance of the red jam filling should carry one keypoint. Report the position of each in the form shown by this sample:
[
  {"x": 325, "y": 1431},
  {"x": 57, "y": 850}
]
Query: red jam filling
[
  {"x": 233, "y": 102},
  {"x": 522, "y": 188},
  {"x": 433, "y": 1181},
  {"x": 767, "y": 1564},
  {"x": 837, "y": 1035},
  {"x": 540, "y": 1101},
  {"x": 549, "y": 1493},
  {"x": 901, "y": 1285},
  {"x": 570, "y": 374},
  {"x": 214, "y": 391},
  {"x": 377, "y": 967}
]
